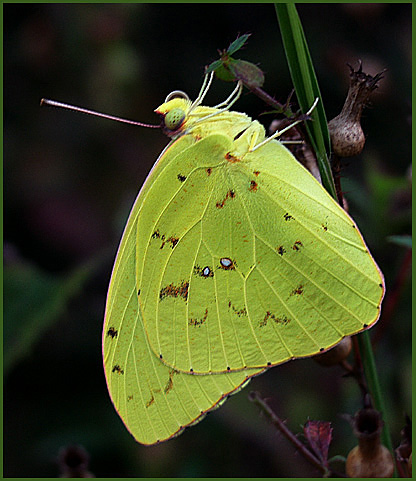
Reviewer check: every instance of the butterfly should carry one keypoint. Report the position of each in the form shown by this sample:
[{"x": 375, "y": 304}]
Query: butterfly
[{"x": 234, "y": 259}]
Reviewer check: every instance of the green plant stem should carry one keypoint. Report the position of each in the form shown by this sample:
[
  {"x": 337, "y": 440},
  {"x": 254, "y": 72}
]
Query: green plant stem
[
  {"x": 373, "y": 384},
  {"x": 306, "y": 86}
]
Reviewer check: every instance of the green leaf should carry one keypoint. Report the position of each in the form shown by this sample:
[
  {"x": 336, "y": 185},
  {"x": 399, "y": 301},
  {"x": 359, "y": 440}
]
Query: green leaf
[
  {"x": 306, "y": 87},
  {"x": 213, "y": 66},
  {"x": 247, "y": 72},
  {"x": 34, "y": 301},
  {"x": 238, "y": 43}
]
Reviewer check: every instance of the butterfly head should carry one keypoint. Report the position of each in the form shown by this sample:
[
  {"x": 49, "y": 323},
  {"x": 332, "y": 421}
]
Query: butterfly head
[{"x": 174, "y": 115}]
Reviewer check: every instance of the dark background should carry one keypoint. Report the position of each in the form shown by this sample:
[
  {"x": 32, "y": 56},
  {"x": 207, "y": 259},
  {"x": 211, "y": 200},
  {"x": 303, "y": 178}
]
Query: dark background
[{"x": 70, "y": 180}]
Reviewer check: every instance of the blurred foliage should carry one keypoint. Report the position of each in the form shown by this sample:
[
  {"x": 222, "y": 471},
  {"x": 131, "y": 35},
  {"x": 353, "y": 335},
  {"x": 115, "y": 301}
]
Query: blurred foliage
[{"x": 70, "y": 180}]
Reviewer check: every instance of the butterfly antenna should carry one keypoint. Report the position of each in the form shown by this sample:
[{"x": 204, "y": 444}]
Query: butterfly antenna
[{"x": 54, "y": 103}]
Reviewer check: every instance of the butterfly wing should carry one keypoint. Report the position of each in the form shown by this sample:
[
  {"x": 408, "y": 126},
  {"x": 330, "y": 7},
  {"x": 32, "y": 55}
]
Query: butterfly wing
[{"x": 244, "y": 260}]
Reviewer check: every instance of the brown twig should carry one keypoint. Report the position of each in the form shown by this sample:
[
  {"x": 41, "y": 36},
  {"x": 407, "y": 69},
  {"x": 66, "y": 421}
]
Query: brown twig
[{"x": 287, "y": 433}]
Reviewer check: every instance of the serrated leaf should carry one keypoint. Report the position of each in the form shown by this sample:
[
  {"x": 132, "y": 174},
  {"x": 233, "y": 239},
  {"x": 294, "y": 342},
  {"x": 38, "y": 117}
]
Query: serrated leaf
[
  {"x": 237, "y": 44},
  {"x": 213, "y": 66}
]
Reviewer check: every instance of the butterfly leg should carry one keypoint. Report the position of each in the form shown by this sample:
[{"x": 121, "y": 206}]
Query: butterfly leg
[{"x": 278, "y": 133}]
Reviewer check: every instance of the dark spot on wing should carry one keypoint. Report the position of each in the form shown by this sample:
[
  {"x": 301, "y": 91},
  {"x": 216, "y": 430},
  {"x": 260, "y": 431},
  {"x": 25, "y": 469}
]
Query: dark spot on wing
[
  {"x": 198, "y": 322},
  {"x": 151, "y": 401},
  {"x": 209, "y": 170},
  {"x": 298, "y": 291},
  {"x": 253, "y": 186},
  {"x": 171, "y": 240},
  {"x": 256, "y": 173},
  {"x": 230, "y": 195},
  {"x": 112, "y": 332},
  {"x": 173, "y": 290},
  {"x": 272, "y": 317},
  {"x": 181, "y": 178},
  {"x": 325, "y": 227},
  {"x": 281, "y": 250},
  {"x": 239, "y": 312},
  {"x": 287, "y": 216},
  {"x": 169, "y": 384},
  {"x": 117, "y": 369},
  {"x": 232, "y": 158},
  {"x": 297, "y": 245}
]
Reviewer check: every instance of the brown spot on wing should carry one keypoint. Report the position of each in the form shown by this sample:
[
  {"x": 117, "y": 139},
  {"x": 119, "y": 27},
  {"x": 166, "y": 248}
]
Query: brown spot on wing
[
  {"x": 169, "y": 384},
  {"x": 298, "y": 291},
  {"x": 171, "y": 240},
  {"x": 198, "y": 322},
  {"x": 253, "y": 186},
  {"x": 281, "y": 250},
  {"x": 239, "y": 312},
  {"x": 173, "y": 290},
  {"x": 151, "y": 401},
  {"x": 230, "y": 195},
  {"x": 272, "y": 317},
  {"x": 112, "y": 332},
  {"x": 232, "y": 158},
  {"x": 297, "y": 245}
]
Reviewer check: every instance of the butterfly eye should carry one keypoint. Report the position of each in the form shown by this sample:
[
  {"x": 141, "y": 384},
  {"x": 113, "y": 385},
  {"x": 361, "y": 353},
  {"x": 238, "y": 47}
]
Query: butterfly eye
[{"x": 174, "y": 119}]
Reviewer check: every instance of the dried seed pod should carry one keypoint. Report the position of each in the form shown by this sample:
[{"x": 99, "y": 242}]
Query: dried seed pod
[
  {"x": 347, "y": 136},
  {"x": 370, "y": 459}
]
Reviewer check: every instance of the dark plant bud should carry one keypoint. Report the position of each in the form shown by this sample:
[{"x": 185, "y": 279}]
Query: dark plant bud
[
  {"x": 370, "y": 459},
  {"x": 335, "y": 355},
  {"x": 73, "y": 462},
  {"x": 404, "y": 451},
  {"x": 347, "y": 136}
]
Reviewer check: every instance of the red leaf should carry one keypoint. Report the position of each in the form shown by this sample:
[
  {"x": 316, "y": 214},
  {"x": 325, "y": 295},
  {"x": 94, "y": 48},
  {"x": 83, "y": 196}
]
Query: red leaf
[{"x": 319, "y": 437}]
